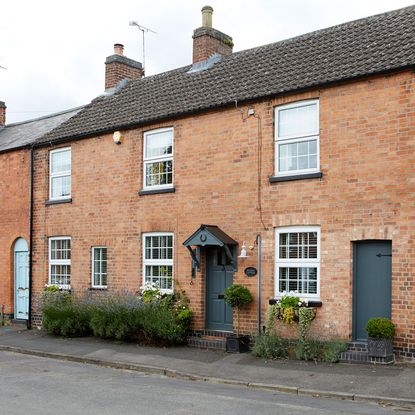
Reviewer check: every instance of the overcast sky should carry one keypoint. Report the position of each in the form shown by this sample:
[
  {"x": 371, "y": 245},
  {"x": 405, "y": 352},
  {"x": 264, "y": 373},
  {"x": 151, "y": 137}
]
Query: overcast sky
[{"x": 54, "y": 51}]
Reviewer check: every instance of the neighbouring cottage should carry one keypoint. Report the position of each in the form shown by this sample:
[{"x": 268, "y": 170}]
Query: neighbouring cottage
[
  {"x": 305, "y": 146},
  {"x": 15, "y": 142}
]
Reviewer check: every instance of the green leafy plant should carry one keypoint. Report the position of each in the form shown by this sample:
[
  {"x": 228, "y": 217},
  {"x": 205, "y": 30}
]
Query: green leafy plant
[
  {"x": 316, "y": 350},
  {"x": 123, "y": 316},
  {"x": 270, "y": 346},
  {"x": 238, "y": 296},
  {"x": 332, "y": 351},
  {"x": 288, "y": 301},
  {"x": 380, "y": 328},
  {"x": 289, "y": 305}
]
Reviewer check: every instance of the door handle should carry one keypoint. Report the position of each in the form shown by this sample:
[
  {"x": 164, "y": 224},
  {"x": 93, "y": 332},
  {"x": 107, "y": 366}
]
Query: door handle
[
  {"x": 221, "y": 296},
  {"x": 380, "y": 255}
]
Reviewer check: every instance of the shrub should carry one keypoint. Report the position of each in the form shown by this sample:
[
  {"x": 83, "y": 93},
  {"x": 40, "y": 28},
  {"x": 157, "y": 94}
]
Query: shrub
[
  {"x": 62, "y": 315},
  {"x": 316, "y": 350},
  {"x": 161, "y": 319},
  {"x": 270, "y": 346},
  {"x": 380, "y": 328},
  {"x": 308, "y": 350},
  {"x": 332, "y": 351},
  {"x": 238, "y": 296}
]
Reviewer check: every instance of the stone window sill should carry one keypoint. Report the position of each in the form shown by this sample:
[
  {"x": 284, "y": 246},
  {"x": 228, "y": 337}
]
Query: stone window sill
[
  {"x": 275, "y": 179},
  {"x": 156, "y": 191},
  {"x": 58, "y": 202}
]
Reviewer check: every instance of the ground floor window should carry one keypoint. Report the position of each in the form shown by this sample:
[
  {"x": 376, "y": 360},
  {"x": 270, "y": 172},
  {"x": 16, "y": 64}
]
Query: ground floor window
[
  {"x": 158, "y": 260},
  {"x": 60, "y": 261},
  {"x": 298, "y": 261},
  {"x": 99, "y": 267}
]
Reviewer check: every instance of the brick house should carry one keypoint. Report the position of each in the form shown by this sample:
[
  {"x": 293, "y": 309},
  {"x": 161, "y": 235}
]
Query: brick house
[
  {"x": 15, "y": 142},
  {"x": 302, "y": 148}
]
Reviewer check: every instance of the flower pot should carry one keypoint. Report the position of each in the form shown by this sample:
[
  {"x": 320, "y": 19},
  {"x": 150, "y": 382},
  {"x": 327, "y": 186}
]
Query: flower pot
[
  {"x": 380, "y": 347},
  {"x": 237, "y": 344}
]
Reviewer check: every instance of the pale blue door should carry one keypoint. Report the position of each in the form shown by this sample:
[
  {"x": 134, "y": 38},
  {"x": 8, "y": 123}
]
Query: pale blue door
[{"x": 21, "y": 280}]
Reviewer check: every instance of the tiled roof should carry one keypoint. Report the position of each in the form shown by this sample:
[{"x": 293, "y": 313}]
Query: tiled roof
[
  {"x": 22, "y": 134},
  {"x": 376, "y": 44}
]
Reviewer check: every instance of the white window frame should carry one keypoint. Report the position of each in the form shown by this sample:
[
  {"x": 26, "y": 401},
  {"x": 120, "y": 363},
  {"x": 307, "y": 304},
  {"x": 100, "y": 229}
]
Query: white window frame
[
  {"x": 93, "y": 285},
  {"x": 150, "y": 160},
  {"x": 59, "y": 261},
  {"x": 60, "y": 174},
  {"x": 296, "y": 263},
  {"x": 161, "y": 262},
  {"x": 296, "y": 138}
]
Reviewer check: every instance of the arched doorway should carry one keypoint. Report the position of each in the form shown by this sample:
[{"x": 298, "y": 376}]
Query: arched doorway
[{"x": 21, "y": 280}]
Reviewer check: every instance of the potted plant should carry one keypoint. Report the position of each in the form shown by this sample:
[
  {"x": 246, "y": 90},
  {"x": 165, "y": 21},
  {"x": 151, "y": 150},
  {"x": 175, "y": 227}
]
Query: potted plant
[
  {"x": 380, "y": 337},
  {"x": 237, "y": 296}
]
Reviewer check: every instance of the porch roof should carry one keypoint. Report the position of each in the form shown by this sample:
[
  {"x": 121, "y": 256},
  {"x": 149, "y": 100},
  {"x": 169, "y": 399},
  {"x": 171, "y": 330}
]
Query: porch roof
[{"x": 209, "y": 235}]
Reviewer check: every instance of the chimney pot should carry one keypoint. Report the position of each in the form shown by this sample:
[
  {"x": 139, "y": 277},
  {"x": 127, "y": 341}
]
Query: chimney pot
[
  {"x": 2, "y": 114},
  {"x": 118, "y": 49},
  {"x": 207, "y": 12}
]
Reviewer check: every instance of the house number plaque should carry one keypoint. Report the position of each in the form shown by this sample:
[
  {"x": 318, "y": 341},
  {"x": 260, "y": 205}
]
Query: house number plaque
[{"x": 250, "y": 271}]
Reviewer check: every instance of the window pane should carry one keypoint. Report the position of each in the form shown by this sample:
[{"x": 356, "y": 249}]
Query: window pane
[
  {"x": 159, "y": 247},
  {"x": 100, "y": 266},
  {"x": 60, "y": 249},
  {"x": 297, "y": 122},
  {"x": 302, "y": 280},
  {"x": 159, "y": 173},
  {"x": 297, "y": 156},
  {"x": 61, "y": 186},
  {"x": 61, "y": 161},
  {"x": 159, "y": 144},
  {"x": 60, "y": 274},
  {"x": 298, "y": 245},
  {"x": 161, "y": 275}
]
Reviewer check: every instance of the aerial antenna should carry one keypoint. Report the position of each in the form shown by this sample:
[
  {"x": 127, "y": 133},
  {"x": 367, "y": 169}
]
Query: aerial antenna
[
  {"x": 2, "y": 67},
  {"x": 144, "y": 30}
]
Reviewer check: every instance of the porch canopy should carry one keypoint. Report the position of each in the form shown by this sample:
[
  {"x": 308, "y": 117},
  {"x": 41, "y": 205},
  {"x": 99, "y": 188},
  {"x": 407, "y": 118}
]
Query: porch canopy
[{"x": 209, "y": 235}]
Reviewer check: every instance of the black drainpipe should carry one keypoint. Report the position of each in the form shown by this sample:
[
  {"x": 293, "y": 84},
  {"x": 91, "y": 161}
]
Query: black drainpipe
[{"x": 29, "y": 321}]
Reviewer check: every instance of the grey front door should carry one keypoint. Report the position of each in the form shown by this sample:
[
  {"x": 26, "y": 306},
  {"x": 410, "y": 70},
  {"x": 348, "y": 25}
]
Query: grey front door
[
  {"x": 219, "y": 276},
  {"x": 372, "y": 290}
]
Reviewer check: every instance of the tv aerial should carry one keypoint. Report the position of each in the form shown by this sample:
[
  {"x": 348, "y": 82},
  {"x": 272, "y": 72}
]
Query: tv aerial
[{"x": 144, "y": 30}]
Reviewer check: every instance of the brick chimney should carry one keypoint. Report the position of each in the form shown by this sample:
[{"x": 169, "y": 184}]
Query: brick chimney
[
  {"x": 2, "y": 113},
  {"x": 207, "y": 41},
  {"x": 119, "y": 67}
]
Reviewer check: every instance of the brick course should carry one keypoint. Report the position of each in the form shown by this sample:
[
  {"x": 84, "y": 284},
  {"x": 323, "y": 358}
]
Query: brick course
[{"x": 367, "y": 192}]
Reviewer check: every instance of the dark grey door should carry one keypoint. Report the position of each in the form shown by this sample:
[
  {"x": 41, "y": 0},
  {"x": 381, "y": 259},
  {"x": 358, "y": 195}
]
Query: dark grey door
[
  {"x": 372, "y": 289},
  {"x": 219, "y": 276}
]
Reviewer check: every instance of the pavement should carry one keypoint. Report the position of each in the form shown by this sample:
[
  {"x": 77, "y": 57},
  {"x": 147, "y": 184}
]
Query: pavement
[{"x": 383, "y": 384}]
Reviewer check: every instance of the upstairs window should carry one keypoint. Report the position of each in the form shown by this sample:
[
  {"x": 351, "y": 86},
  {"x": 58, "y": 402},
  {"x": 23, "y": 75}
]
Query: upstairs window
[
  {"x": 158, "y": 260},
  {"x": 158, "y": 158},
  {"x": 60, "y": 262},
  {"x": 298, "y": 261},
  {"x": 297, "y": 138},
  {"x": 60, "y": 174}
]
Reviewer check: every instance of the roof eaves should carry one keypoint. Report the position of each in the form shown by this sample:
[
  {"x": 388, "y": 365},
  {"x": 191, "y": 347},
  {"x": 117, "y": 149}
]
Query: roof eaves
[{"x": 136, "y": 124}]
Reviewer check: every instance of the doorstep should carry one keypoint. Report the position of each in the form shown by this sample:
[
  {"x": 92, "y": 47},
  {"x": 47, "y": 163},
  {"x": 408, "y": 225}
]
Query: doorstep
[
  {"x": 357, "y": 353},
  {"x": 208, "y": 339}
]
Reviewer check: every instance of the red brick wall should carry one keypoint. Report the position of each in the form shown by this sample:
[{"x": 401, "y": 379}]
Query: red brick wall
[
  {"x": 205, "y": 46},
  {"x": 14, "y": 217},
  {"x": 367, "y": 192},
  {"x": 117, "y": 71}
]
